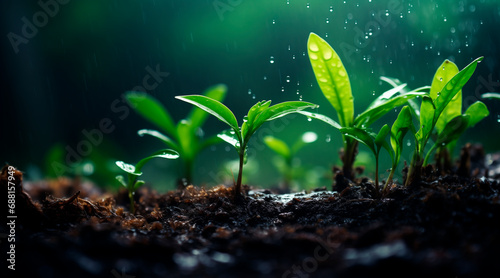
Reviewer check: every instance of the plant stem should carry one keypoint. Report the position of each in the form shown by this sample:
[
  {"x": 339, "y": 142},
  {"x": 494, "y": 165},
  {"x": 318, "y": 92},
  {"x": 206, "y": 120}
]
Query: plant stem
[
  {"x": 391, "y": 175},
  {"x": 132, "y": 202},
  {"x": 348, "y": 157},
  {"x": 237, "y": 186},
  {"x": 376, "y": 173},
  {"x": 415, "y": 169}
]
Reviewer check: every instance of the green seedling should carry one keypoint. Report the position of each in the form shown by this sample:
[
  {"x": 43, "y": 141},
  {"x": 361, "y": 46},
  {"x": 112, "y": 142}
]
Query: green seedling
[
  {"x": 287, "y": 153},
  {"x": 185, "y": 137},
  {"x": 334, "y": 82},
  {"x": 132, "y": 183},
  {"x": 432, "y": 107},
  {"x": 374, "y": 141},
  {"x": 238, "y": 136}
]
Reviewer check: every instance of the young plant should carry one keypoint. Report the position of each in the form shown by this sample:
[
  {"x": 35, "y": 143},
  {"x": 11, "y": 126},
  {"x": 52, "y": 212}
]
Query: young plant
[
  {"x": 238, "y": 136},
  {"x": 132, "y": 183},
  {"x": 334, "y": 82},
  {"x": 432, "y": 107},
  {"x": 185, "y": 137},
  {"x": 287, "y": 153},
  {"x": 374, "y": 141}
]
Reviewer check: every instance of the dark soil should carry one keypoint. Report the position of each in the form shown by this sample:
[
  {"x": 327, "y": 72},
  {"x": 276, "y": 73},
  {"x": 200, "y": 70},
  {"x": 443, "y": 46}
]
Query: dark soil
[{"x": 444, "y": 226}]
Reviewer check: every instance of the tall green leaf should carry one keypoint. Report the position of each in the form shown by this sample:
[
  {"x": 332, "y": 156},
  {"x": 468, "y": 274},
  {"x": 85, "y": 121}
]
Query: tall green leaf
[
  {"x": 322, "y": 118},
  {"x": 443, "y": 75},
  {"x": 213, "y": 107},
  {"x": 152, "y": 110},
  {"x": 198, "y": 116},
  {"x": 427, "y": 112},
  {"x": 453, "y": 87},
  {"x": 332, "y": 78}
]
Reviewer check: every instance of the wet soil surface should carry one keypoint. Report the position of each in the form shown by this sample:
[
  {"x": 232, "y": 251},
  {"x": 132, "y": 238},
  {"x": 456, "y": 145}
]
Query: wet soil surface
[{"x": 443, "y": 226}]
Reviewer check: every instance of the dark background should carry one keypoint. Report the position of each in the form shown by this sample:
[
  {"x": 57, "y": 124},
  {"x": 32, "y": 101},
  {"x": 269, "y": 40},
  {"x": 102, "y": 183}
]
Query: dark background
[{"x": 66, "y": 77}]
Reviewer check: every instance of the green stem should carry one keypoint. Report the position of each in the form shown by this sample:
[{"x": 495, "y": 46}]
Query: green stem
[
  {"x": 350, "y": 148},
  {"x": 376, "y": 173},
  {"x": 389, "y": 179},
  {"x": 237, "y": 186},
  {"x": 132, "y": 202},
  {"x": 429, "y": 155}
]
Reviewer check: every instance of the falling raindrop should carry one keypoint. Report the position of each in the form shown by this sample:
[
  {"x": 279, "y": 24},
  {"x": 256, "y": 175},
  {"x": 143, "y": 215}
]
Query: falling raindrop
[
  {"x": 288, "y": 79},
  {"x": 408, "y": 143},
  {"x": 307, "y": 5},
  {"x": 327, "y": 20},
  {"x": 331, "y": 8},
  {"x": 282, "y": 89},
  {"x": 249, "y": 91},
  {"x": 271, "y": 60},
  {"x": 274, "y": 21},
  {"x": 265, "y": 77}
]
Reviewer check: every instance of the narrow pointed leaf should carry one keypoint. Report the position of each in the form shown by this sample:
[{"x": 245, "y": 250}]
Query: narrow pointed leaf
[
  {"x": 165, "y": 139},
  {"x": 476, "y": 112},
  {"x": 198, "y": 116},
  {"x": 152, "y": 110},
  {"x": 371, "y": 115},
  {"x": 322, "y": 118},
  {"x": 213, "y": 107},
  {"x": 332, "y": 78},
  {"x": 278, "y": 146},
  {"x": 414, "y": 105},
  {"x": 166, "y": 153},
  {"x": 386, "y": 96},
  {"x": 445, "y": 73},
  {"x": 453, "y": 87},
  {"x": 279, "y": 110}
]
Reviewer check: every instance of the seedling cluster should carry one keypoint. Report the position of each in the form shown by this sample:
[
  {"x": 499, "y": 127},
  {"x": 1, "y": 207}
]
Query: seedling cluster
[{"x": 438, "y": 116}]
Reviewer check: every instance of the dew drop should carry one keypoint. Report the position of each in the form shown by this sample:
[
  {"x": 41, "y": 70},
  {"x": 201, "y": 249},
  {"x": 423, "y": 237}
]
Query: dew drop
[
  {"x": 313, "y": 47},
  {"x": 328, "y": 138},
  {"x": 408, "y": 143}
]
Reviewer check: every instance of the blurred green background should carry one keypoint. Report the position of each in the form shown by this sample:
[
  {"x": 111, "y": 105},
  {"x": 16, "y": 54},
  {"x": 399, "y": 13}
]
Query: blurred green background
[{"x": 66, "y": 64}]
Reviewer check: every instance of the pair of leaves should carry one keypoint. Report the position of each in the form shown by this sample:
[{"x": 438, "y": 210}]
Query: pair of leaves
[{"x": 258, "y": 114}]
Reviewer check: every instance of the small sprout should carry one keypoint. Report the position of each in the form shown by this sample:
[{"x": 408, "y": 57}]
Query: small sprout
[
  {"x": 238, "y": 136},
  {"x": 131, "y": 183},
  {"x": 334, "y": 82},
  {"x": 287, "y": 153},
  {"x": 185, "y": 137},
  {"x": 373, "y": 141}
]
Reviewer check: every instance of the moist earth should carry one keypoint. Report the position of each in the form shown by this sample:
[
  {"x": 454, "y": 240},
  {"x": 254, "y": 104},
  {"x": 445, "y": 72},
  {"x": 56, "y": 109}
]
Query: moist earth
[{"x": 441, "y": 226}]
